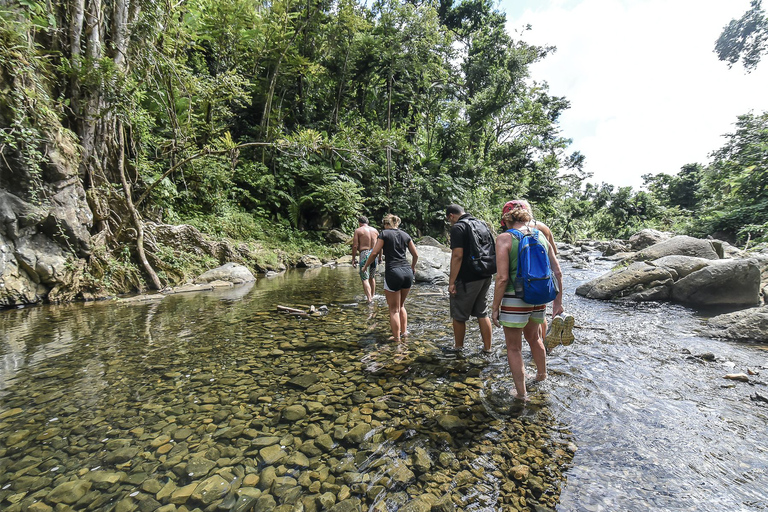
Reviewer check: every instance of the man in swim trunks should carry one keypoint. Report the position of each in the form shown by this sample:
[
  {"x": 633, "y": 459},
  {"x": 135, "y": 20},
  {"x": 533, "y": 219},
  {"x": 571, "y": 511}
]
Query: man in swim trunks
[{"x": 363, "y": 241}]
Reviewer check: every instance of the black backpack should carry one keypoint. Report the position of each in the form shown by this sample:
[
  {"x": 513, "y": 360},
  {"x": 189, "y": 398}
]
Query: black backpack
[{"x": 482, "y": 248}]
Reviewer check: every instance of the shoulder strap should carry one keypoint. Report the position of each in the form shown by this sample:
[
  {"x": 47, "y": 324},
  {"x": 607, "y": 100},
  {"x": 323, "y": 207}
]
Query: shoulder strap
[{"x": 516, "y": 233}]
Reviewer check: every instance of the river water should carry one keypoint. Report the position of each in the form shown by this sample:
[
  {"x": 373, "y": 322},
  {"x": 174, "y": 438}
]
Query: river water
[{"x": 214, "y": 401}]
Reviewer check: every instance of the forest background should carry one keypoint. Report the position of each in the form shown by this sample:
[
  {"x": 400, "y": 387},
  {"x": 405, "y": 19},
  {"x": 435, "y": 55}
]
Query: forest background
[{"x": 272, "y": 122}]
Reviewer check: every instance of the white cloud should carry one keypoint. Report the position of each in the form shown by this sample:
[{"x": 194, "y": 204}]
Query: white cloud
[{"x": 647, "y": 92}]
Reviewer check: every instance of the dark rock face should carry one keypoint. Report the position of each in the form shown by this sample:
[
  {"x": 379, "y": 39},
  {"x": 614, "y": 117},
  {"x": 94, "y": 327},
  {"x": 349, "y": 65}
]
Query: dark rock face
[{"x": 45, "y": 224}]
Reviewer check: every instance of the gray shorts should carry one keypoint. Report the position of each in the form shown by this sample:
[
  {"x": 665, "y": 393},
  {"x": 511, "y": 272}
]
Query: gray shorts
[{"x": 471, "y": 299}]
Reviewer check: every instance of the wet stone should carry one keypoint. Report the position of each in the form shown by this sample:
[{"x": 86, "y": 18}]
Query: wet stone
[
  {"x": 294, "y": 412},
  {"x": 182, "y": 434},
  {"x": 199, "y": 467},
  {"x": 69, "y": 492},
  {"x": 210, "y": 490},
  {"x": 304, "y": 381},
  {"x": 272, "y": 454},
  {"x": 181, "y": 494},
  {"x": 358, "y": 433}
]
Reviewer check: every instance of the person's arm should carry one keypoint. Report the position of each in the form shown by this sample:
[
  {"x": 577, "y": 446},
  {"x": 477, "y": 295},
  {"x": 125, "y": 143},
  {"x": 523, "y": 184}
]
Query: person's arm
[
  {"x": 375, "y": 252},
  {"x": 414, "y": 254},
  {"x": 457, "y": 255},
  {"x": 354, "y": 246},
  {"x": 503, "y": 246},
  {"x": 547, "y": 233},
  {"x": 557, "y": 305}
]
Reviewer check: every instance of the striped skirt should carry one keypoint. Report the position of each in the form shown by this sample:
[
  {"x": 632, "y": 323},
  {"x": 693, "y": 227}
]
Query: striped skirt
[{"x": 515, "y": 312}]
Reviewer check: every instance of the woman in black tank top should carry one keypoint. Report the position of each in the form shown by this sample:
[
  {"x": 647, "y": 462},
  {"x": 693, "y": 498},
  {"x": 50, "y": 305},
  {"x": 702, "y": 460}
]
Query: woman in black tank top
[{"x": 398, "y": 273}]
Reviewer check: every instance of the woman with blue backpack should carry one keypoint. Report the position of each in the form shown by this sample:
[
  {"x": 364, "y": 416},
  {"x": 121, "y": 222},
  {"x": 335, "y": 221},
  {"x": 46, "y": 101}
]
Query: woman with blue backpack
[{"x": 528, "y": 277}]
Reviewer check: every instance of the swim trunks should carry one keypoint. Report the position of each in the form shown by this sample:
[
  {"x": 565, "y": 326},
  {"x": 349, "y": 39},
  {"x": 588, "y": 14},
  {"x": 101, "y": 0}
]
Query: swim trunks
[
  {"x": 371, "y": 268},
  {"x": 515, "y": 312}
]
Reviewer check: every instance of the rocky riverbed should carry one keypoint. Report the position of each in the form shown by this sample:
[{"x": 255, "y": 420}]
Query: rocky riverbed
[{"x": 212, "y": 403}]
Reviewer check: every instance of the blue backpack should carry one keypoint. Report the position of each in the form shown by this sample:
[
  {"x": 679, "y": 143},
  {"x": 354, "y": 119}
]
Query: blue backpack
[{"x": 535, "y": 283}]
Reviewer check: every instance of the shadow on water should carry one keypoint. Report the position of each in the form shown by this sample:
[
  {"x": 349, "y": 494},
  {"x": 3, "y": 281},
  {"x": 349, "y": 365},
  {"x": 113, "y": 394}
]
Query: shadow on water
[{"x": 215, "y": 401}]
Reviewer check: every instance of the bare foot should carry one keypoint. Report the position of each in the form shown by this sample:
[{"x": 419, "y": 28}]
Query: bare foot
[
  {"x": 540, "y": 377},
  {"x": 516, "y": 396},
  {"x": 405, "y": 334},
  {"x": 392, "y": 338}
]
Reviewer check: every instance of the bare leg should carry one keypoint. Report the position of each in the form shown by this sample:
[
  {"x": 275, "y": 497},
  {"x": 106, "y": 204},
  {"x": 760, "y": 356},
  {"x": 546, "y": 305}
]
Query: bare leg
[
  {"x": 403, "y": 312},
  {"x": 532, "y": 333},
  {"x": 367, "y": 289},
  {"x": 485, "y": 332},
  {"x": 459, "y": 331},
  {"x": 393, "y": 302},
  {"x": 514, "y": 339},
  {"x": 372, "y": 281}
]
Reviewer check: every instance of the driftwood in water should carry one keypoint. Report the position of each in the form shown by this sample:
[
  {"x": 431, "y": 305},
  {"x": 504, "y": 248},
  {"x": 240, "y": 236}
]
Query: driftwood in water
[{"x": 292, "y": 311}]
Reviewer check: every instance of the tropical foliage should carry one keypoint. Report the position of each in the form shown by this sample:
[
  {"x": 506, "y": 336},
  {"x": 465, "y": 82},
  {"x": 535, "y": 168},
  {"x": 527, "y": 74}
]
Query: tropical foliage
[{"x": 261, "y": 120}]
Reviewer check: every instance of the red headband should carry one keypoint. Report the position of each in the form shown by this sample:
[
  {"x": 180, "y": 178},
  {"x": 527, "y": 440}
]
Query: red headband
[{"x": 511, "y": 205}]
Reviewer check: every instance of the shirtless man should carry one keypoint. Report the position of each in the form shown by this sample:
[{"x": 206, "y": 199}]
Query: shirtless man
[{"x": 362, "y": 242}]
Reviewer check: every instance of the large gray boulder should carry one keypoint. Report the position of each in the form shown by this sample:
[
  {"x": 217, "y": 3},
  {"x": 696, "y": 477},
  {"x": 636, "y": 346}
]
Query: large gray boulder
[
  {"x": 637, "y": 278},
  {"x": 722, "y": 283},
  {"x": 646, "y": 238},
  {"x": 681, "y": 245},
  {"x": 746, "y": 325},
  {"x": 230, "y": 272},
  {"x": 685, "y": 279},
  {"x": 681, "y": 266},
  {"x": 434, "y": 264}
]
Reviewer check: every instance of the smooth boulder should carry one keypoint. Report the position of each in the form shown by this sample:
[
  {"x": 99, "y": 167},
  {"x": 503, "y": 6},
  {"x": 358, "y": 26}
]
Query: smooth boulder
[
  {"x": 636, "y": 278},
  {"x": 745, "y": 325},
  {"x": 681, "y": 245},
  {"x": 434, "y": 264},
  {"x": 722, "y": 283},
  {"x": 230, "y": 272}
]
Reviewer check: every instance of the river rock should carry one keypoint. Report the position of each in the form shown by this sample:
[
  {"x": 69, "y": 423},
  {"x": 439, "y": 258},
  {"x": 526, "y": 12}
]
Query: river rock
[
  {"x": 69, "y": 492},
  {"x": 358, "y": 433},
  {"x": 681, "y": 245},
  {"x": 451, "y": 423},
  {"x": 421, "y": 460},
  {"x": 724, "y": 283},
  {"x": 646, "y": 238},
  {"x": 309, "y": 261},
  {"x": 230, "y": 272},
  {"x": 272, "y": 454},
  {"x": 444, "y": 504},
  {"x": 335, "y": 236},
  {"x": 294, "y": 412},
  {"x": 199, "y": 467},
  {"x": 210, "y": 490},
  {"x": 433, "y": 265},
  {"x": 638, "y": 277},
  {"x": 747, "y": 325},
  {"x": 615, "y": 247}
]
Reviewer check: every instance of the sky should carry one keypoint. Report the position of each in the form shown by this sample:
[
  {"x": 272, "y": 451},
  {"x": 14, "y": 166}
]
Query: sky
[{"x": 647, "y": 92}]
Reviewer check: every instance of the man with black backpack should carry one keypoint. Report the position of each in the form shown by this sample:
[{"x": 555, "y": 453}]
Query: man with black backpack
[{"x": 473, "y": 263}]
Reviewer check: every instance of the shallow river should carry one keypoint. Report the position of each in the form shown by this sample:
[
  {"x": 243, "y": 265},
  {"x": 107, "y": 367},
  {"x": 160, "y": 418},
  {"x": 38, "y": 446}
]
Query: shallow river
[{"x": 214, "y": 401}]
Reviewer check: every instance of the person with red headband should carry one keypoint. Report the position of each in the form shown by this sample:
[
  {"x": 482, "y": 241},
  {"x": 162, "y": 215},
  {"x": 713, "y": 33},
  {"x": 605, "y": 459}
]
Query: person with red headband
[
  {"x": 562, "y": 324},
  {"x": 517, "y": 316}
]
